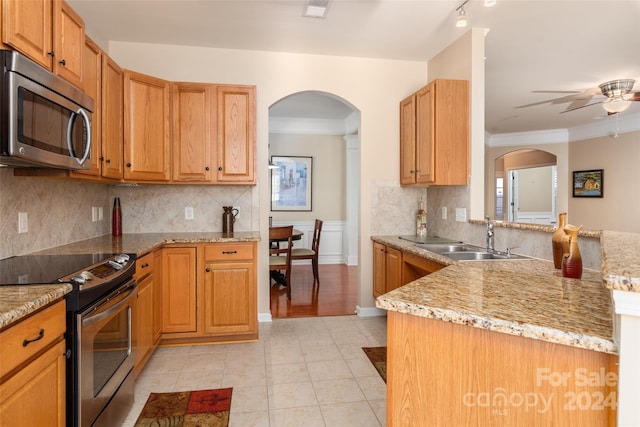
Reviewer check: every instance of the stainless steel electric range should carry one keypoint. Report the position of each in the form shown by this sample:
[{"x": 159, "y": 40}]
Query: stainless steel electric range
[{"x": 100, "y": 350}]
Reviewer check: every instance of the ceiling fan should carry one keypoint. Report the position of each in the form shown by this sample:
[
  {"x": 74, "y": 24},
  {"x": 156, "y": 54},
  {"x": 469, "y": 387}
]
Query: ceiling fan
[{"x": 618, "y": 93}]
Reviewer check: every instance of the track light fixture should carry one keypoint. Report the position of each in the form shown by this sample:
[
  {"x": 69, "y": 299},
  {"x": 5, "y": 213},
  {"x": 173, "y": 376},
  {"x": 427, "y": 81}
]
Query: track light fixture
[{"x": 461, "y": 20}]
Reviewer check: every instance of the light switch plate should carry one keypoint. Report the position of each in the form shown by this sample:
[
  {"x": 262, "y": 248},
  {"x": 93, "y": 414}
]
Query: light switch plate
[
  {"x": 444, "y": 212},
  {"x": 94, "y": 214},
  {"x": 461, "y": 215},
  {"x": 23, "y": 222}
]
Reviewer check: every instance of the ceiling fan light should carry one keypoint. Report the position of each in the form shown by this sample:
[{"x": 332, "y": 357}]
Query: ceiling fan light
[
  {"x": 616, "y": 106},
  {"x": 461, "y": 21}
]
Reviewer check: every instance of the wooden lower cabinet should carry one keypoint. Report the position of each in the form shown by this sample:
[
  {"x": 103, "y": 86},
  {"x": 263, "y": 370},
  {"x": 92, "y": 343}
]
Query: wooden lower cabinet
[
  {"x": 387, "y": 269},
  {"x": 144, "y": 311},
  {"x": 446, "y": 374},
  {"x": 178, "y": 291},
  {"x": 32, "y": 377},
  {"x": 229, "y": 304}
]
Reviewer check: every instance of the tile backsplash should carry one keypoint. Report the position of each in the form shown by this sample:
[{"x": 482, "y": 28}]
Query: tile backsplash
[{"x": 60, "y": 211}]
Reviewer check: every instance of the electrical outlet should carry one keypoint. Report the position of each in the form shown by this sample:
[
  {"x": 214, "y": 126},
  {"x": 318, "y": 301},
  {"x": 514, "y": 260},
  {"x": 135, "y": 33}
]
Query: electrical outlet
[
  {"x": 100, "y": 213},
  {"x": 444, "y": 212},
  {"x": 188, "y": 213},
  {"x": 23, "y": 222},
  {"x": 94, "y": 214},
  {"x": 461, "y": 215}
]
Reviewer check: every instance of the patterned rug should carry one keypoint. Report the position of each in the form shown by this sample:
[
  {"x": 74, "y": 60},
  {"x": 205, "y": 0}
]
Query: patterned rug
[
  {"x": 378, "y": 356},
  {"x": 197, "y": 408}
]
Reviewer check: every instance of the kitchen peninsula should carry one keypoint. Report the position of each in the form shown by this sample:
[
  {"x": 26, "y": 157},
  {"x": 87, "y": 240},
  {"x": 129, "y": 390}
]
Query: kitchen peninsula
[{"x": 499, "y": 343}]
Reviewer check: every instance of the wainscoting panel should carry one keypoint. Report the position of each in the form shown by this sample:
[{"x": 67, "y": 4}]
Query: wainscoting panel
[{"x": 331, "y": 247}]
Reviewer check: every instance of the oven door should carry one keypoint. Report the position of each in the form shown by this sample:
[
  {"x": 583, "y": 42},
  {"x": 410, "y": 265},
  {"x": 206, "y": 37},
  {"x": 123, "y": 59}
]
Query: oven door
[{"x": 106, "y": 355}]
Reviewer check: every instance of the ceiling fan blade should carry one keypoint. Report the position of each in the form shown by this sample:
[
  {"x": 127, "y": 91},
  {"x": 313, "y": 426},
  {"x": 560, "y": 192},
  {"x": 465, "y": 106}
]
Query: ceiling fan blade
[
  {"x": 556, "y": 91},
  {"x": 584, "y": 106},
  {"x": 578, "y": 103},
  {"x": 632, "y": 96}
]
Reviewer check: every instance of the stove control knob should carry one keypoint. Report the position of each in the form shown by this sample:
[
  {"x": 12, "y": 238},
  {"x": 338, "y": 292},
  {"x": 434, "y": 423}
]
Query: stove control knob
[{"x": 121, "y": 259}]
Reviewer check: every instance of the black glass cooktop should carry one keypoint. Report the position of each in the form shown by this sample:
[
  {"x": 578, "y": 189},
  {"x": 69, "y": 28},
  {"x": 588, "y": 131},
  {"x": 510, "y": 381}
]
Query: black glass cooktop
[{"x": 41, "y": 269}]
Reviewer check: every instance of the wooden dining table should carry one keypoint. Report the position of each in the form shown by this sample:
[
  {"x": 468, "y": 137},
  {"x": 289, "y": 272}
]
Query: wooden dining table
[{"x": 275, "y": 274}]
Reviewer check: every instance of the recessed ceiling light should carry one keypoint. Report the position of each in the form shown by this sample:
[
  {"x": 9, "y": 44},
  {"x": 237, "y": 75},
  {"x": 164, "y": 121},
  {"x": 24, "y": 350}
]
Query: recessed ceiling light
[{"x": 316, "y": 9}]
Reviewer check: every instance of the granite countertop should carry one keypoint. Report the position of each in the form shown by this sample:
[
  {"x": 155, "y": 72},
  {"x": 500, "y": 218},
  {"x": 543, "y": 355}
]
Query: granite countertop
[
  {"x": 621, "y": 260},
  {"x": 17, "y": 302},
  {"x": 527, "y": 298}
]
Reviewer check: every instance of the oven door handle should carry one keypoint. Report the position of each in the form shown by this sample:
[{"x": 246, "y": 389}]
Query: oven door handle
[{"x": 111, "y": 306}]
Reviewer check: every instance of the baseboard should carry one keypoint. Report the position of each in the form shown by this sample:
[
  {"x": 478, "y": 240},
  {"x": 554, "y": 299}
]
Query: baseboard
[
  {"x": 264, "y": 317},
  {"x": 370, "y": 311}
]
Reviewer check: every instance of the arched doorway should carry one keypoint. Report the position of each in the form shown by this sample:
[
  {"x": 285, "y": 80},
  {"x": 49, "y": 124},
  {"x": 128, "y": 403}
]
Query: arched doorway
[{"x": 324, "y": 130}]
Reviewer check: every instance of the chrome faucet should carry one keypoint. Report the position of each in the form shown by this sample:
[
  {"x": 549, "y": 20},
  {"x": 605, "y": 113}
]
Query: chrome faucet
[{"x": 490, "y": 244}]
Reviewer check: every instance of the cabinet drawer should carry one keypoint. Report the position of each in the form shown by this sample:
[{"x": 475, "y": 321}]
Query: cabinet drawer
[
  {"x": 228, "y": 252},
  {"x": 50, "y": 323},
  {"x": 144, "y": 265}
]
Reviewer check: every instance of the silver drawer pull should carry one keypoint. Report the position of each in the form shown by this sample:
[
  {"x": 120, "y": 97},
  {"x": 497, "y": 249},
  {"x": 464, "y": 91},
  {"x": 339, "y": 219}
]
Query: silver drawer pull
[{"x": 39, "y": 337}]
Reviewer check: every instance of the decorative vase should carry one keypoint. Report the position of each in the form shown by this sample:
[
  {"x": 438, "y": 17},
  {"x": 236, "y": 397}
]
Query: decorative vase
[
  {"x": 572, "y": 261},
  {"x": 116, "y": 218},
  {"x": 560, "y": 241}
]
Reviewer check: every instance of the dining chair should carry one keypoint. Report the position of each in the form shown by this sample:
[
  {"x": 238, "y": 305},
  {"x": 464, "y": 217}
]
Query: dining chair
[
  {"x": 280, "y": 255},
  {"x": 312, "y": 254}
]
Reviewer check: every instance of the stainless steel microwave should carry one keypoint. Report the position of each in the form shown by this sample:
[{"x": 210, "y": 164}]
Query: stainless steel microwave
[{"x": 44, "y": 120}]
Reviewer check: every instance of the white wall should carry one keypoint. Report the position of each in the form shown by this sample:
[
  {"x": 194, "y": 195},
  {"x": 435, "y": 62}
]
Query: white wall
[{"x": 375, "y": 87}]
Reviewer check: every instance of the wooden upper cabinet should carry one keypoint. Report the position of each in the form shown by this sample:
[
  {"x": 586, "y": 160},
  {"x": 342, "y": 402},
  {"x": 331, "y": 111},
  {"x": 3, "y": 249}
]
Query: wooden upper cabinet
[
  {"x": 236, "y": 139},
  {"x": 68, "y": 42},
  {"x": 112, "y": 118},
  {"x": 92, "y": 83},
  {"x": 147, "y": 138},
  {"x": 193, "y": 138},
  {"x": 27, "y": 26},
  {"x": 49, "y": 32},
  {"x": 434, "y": 135}
]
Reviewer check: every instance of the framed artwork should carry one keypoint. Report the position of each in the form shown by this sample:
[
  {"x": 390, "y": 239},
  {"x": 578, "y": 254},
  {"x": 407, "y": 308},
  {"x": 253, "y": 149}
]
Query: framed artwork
[
  {"x": 588, "y": 183},
  {"x": 291, "y": 183}
]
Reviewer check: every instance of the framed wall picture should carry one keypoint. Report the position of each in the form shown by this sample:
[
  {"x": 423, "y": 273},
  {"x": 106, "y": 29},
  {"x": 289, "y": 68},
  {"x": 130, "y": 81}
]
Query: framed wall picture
[
  {"x": 291, "y": 183},
  {"x": 588, "y": 183}
]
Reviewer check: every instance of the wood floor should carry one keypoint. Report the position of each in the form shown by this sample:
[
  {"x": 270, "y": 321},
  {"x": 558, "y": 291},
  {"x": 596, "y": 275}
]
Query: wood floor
[{"x": 335, "y": 296}]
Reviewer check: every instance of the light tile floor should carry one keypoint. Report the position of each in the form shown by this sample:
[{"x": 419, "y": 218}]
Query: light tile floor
[{"x": 302, "y": 372}]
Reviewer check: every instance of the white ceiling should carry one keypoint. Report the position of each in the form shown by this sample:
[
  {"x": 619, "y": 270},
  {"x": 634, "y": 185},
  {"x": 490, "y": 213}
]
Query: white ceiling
[{"x": 560, "y": 45}]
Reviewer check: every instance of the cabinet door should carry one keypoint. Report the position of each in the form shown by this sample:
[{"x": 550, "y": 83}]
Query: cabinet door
[
  {"x": 179, "y": 290},
  {"x": 425, "y": 148},
  {"x": 27, "y": 27},
  {"x": 236, "y": 134},
  {"x": 408, "y": 140},
  {"x": 393, "y": 261},
  {"x": 144, "y": 322},
  {"x": 157, "y": 296},
  {"x": 36, "y": 395},
  {"x": 147, "y": 141},
  {"x": 229, "y": 298},
  {"x": 68, "y": 42},
  {"x": 91, "y": 83},
  {"x": 112, "y": 117},
  {"x": 379, "y": 269},
  {"x": 192, "y": 141}
]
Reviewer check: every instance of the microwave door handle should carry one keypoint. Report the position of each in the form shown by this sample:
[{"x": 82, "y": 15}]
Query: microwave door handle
[{"x": 87, "y": 122}]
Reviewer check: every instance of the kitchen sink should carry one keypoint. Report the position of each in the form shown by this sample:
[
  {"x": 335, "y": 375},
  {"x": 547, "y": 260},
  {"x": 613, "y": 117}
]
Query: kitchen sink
[{"x": 467, "y": 252}]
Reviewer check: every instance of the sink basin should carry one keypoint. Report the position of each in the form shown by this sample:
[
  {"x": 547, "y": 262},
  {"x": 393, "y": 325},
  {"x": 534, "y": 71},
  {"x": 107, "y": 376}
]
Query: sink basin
[{"x": 445, "y": 248}]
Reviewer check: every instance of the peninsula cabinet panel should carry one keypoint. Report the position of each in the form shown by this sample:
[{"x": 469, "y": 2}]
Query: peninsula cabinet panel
[
  {"x": 193, "y": 138},
  {"x": 157, "y": 297},
  {"x": 112, "y": 118},
  {"x": 147, "y": 138},
  {"x": 178, "y": 290},
  {"x": 434, "y": 135},
  {"x": 236, "y": 134},
  {"x": 446, "y": 374},
  {"x": 144, "y": 322}
]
